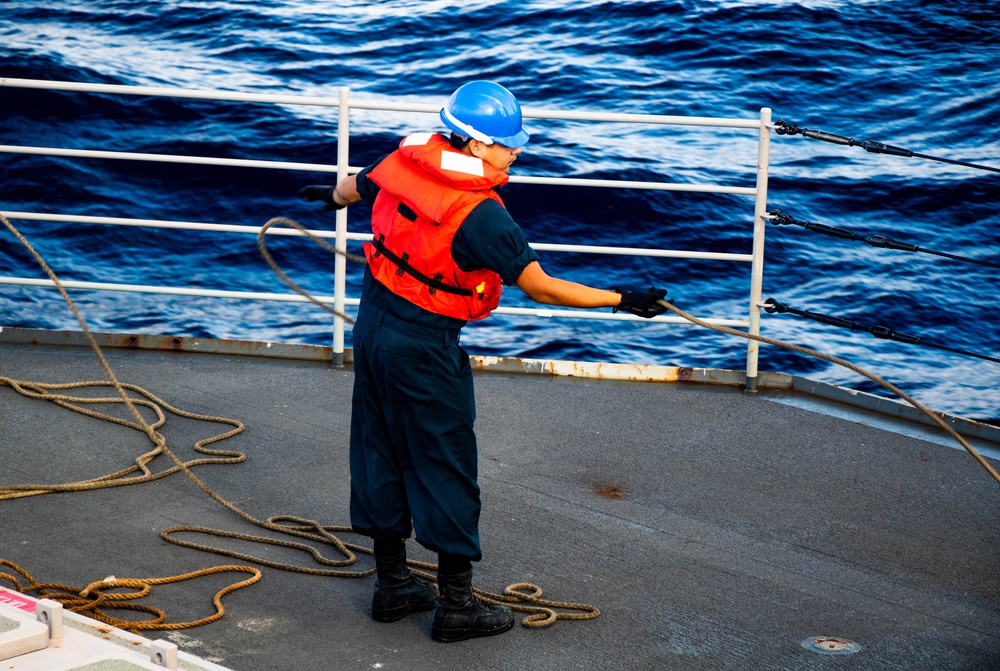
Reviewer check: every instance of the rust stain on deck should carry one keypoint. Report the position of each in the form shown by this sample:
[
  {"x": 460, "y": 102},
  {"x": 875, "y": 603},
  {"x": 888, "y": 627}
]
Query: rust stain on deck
[{"x": 609, "y": 492}]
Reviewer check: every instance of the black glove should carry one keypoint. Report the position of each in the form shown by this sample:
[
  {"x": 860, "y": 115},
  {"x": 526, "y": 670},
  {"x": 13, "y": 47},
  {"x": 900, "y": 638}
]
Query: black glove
[
  {"x": 320, "y": 192},
  {"x": 642, "y": 303}
]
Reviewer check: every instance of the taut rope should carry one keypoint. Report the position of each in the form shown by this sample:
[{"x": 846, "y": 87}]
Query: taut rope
[
  {"x": 846, "y": 364},
  {"x": 681, "y": 313}
]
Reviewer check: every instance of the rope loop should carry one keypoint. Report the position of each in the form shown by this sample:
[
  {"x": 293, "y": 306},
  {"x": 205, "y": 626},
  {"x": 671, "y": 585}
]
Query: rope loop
[
  {"x": 349, "y": 557},
  {"x": 291, "y": 223},
  {"x": 526, "y": 597},
  {"x": 95, "y": 600}
]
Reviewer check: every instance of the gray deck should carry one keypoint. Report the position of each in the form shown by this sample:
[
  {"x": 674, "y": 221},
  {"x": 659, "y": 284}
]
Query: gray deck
[{"x": 746, "y": 523}]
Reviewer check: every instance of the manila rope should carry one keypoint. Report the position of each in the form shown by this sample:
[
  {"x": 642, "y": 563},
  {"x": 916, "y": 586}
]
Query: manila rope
[{"x": 95, "y": 599}]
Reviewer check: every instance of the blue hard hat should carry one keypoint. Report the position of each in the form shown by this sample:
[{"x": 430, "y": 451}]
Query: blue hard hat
[{"x": 487, "y": 112}]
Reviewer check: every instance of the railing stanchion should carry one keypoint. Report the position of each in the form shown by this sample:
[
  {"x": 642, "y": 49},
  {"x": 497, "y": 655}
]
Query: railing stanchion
[
  {"x": 759, "y": 225},
  {"x": 340, "y": 264}
]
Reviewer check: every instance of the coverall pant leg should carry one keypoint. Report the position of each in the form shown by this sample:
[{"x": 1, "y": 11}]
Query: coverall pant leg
[{"x": 413, "y": 455}]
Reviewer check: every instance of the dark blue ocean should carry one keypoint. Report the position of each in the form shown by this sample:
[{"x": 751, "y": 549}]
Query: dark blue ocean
[{"x": 917, "y": 75}]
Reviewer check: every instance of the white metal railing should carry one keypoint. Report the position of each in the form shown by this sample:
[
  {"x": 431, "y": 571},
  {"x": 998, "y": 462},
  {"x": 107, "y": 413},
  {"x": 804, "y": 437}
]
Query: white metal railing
[{"x": 345, "y": 104}]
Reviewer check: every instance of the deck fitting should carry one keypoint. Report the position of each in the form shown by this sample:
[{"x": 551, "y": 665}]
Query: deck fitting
[{"x": 830, "y": 645}]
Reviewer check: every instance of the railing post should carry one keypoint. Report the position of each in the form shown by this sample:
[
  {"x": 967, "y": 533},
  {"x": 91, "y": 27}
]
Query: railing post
[
  {"x": 759, "y": 224},
  {"x": 340, "y": 262}
]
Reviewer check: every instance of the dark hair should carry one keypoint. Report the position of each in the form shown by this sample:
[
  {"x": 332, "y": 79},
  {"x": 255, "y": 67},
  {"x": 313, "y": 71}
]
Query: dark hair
[{"x": 459, "y": 141}]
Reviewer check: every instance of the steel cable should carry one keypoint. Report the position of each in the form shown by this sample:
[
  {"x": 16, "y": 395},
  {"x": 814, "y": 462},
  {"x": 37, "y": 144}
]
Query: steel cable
[
  {"x": 782, "y": 127},
  {"x": 779, "y": 218},
  {"x": 883, "y": 332}
]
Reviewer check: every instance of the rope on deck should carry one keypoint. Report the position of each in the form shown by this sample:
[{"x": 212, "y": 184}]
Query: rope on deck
[
  {"x": 44, "y": 391},
  {"x": 96, "y": 599},
  {"x": 521, "y": 597}
]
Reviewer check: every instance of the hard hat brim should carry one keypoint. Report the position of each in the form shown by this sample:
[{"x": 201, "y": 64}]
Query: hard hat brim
[
  {"x": 514, "y": 141},
  {"x": 519, "y": 139}
]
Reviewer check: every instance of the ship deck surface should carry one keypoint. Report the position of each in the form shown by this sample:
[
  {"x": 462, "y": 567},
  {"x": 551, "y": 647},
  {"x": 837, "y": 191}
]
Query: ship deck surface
[{"x": 713, "y": 528}]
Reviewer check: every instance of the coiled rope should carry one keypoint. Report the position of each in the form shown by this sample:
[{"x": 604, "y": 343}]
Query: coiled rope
[
  {"x": 95, "y": 600},
  {"x": 43, "y": 391}
]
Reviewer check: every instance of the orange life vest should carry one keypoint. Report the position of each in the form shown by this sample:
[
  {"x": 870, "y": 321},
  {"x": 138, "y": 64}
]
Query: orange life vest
[{"x": 427, "y": 188}]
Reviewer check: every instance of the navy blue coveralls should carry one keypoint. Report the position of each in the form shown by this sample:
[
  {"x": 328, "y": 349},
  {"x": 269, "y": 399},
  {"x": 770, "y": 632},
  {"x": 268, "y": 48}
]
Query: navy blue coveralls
[{"x": 414, "y": 461}]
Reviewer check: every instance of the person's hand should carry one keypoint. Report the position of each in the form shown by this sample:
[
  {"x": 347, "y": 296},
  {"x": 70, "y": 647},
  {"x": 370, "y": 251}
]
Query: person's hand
[
  {"x": 323, "y": 192},
  {"x": 642, "y": 303}
]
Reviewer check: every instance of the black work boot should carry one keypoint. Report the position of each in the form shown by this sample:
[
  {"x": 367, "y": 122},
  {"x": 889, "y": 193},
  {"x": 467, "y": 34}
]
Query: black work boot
[
  {"x": 399, "y": 592},
  {"x": 460, "y": 615}
]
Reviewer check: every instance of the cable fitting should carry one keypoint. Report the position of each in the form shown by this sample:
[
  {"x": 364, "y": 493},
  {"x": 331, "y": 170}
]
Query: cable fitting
[
  {"x": 880, "y": 148},
  {"x": 780, "y": 218},
  {"x": 782, "y": 127}
]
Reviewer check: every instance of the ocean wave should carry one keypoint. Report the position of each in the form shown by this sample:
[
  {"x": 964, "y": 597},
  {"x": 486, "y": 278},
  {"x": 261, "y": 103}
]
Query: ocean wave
[{"x": 919, "y": 77}]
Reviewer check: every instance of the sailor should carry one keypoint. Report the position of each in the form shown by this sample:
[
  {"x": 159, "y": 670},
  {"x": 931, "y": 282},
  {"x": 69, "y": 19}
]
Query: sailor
[{"x": 443, "y": 247}]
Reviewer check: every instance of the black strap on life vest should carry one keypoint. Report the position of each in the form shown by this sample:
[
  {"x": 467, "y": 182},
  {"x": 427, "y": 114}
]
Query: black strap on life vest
[{"x": 403, "y": 265}]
